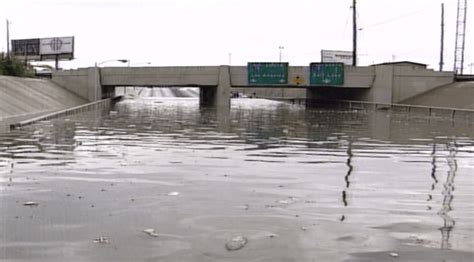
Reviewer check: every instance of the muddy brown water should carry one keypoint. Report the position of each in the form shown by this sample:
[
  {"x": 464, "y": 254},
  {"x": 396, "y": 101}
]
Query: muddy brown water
[{"x": 296, "y": 184}]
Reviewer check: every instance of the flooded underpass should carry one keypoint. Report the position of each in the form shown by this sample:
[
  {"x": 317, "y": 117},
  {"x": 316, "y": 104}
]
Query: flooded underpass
[{"x": 161, "y": 179}]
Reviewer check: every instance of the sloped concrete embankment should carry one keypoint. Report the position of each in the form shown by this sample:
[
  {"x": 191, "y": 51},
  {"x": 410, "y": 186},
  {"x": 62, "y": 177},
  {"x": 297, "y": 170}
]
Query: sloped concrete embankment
[
  {"x": 455, "y": 95},
  {"x": 22, "y": 98}
]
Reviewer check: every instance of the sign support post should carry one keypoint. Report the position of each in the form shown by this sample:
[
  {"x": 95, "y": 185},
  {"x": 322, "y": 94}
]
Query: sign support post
[{"x": 56, "y": 64}]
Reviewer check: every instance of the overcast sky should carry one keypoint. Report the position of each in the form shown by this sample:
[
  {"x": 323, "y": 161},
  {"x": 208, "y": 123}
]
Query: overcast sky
[{"x": 205, "y": 32}]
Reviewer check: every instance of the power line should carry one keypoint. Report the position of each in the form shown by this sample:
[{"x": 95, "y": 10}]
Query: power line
[
  {"x": 441, "y": 57},
  {"x": 347, "y": 22},
  {"x": 354, "y": 33},
  {"x": 393, "y": 19}
]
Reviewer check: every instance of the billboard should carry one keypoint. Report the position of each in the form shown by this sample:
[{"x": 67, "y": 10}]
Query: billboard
[
  {"x": 56, "y": 45},
  {"x": 25, "y": 47},
  {"x": 42, "y": 49},
  {"x": 326, "y": 74},
  {"x": 335, "y": 56},
  {"x": 267, "y": 73}
]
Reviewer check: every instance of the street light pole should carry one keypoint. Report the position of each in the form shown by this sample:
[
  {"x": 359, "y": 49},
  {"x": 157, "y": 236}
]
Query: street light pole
[
  {"x": 282, "y": 89},
  {"x": 280, "y": 48}
]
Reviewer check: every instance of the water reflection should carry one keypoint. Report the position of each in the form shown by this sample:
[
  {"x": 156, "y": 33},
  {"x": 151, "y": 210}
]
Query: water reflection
[
  {"x": 448, "y": 196},
  {"x": 347, "y": 177},
  {"x": 291, "y": 168},
  {"x": 433, "y": 175}
]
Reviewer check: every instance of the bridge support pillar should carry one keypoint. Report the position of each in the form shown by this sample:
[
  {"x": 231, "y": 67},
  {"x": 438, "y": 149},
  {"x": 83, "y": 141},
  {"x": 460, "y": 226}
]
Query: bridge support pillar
[
  {"x": 218, "y": 97},
  {"x": 94, "y": 84}
]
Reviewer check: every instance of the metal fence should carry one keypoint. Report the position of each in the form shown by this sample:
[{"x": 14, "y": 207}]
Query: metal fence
[{"x": 429, "y": 111}]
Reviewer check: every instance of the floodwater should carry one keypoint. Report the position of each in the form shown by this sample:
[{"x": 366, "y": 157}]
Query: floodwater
[{"x": 160, "y": 179}]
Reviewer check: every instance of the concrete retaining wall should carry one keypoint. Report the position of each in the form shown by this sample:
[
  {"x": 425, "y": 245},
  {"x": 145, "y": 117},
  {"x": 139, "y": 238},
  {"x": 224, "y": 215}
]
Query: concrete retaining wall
[
  {"x": 24, "y": 96},
  {"x": 411, "y": 81},
  {"x": 395, "y": 83},
  {"x": 81, "y": 82},
  {"x": 454, "y": 95}
]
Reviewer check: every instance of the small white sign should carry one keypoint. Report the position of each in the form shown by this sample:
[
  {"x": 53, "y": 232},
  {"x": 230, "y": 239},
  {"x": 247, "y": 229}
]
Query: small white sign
[
  {"x": 56, "y": 45},
  {"x": 334, "y": 56}
]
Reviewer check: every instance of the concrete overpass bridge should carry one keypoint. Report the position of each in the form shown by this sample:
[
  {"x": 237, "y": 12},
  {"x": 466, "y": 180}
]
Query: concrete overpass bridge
[{"x": 384, "y": 83}]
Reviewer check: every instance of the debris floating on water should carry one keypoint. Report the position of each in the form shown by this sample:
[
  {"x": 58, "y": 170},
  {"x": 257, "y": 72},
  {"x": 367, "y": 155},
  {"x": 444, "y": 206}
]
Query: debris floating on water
[
  {"x": 151, "y": 232},
  {"x": 288, "y": 201},
  {"x": 173, "y": 193},
  {"x": 236, "y": 243},
  {"x": 101, "y": 240},
  {"x": 393, "y": 254},
  {"x": 31, "y": 204},
  {"x": 245, "y": 207}
]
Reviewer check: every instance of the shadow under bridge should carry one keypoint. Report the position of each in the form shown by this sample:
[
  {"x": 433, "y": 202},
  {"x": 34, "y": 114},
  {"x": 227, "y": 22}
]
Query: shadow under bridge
[{"x": 213, "y": 81}]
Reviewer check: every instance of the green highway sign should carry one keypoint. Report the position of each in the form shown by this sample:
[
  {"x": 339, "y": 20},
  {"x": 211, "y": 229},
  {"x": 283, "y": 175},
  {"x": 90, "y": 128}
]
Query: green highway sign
[
  {"x": 267, "y": 73},
  {"x": 326, "y": 74}
]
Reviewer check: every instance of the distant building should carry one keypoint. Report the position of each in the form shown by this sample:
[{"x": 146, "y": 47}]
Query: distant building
[{"x": 414, "y": 65}]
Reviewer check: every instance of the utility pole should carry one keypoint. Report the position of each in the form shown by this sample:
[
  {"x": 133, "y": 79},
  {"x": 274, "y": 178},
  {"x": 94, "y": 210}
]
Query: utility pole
[
  {"x": 441, "y": 57},
  {"x": 354, "y": 33},
  {"x": 8, "y": 39}
]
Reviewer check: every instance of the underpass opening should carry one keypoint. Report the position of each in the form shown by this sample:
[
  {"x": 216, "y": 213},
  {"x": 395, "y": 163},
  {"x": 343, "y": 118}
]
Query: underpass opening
[{"x": 144, "y": 92}]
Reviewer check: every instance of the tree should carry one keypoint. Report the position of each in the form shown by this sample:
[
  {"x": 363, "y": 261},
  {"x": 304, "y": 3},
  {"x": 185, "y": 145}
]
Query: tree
[{"x": 12, "y": 66}]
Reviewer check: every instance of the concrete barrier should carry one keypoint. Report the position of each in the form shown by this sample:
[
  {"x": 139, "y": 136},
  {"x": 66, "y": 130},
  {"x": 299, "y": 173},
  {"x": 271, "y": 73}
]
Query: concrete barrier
[{"x": 104, "y": 103}]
